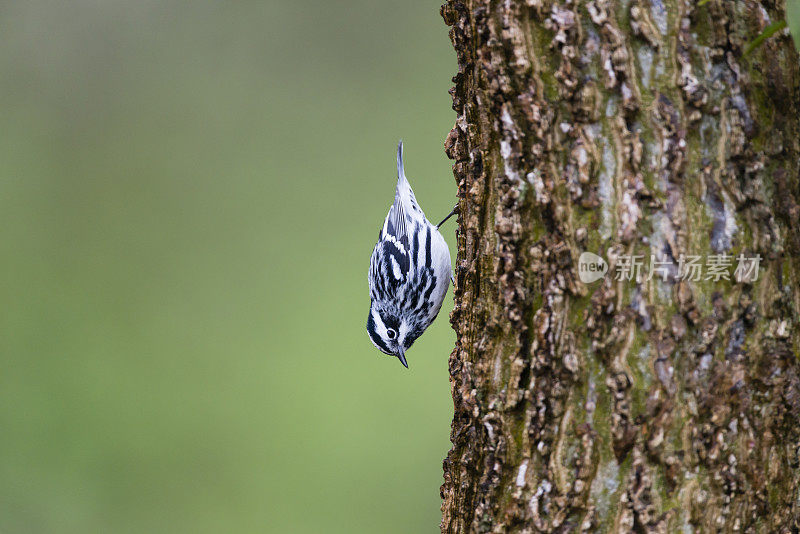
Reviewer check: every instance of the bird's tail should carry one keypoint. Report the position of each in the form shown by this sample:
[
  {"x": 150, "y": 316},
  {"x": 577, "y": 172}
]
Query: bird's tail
[
  {"x": 404, "y": 199},
  {"x": 401, "y": 175}
]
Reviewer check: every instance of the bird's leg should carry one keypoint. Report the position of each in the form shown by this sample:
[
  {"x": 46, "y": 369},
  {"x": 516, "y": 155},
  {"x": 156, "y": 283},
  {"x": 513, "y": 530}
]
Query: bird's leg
[{"x": 455, "y": 210}]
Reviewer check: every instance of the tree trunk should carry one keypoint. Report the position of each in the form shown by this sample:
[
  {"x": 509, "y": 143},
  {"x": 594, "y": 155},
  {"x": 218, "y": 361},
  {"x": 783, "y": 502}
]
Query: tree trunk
[{"x": 656, "y": 404}]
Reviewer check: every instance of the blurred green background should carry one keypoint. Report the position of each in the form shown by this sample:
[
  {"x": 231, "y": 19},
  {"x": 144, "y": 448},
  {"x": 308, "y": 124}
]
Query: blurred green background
[{"x": 189, "y": 195}]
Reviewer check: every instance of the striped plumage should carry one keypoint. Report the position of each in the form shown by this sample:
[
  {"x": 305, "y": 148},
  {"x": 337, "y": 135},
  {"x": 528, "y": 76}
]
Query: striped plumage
[{"x": 409, "y": 273}]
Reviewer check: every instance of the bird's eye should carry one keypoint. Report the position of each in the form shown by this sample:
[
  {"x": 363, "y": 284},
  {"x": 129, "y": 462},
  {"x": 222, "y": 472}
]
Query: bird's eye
[{"x": 391, "y": 333}]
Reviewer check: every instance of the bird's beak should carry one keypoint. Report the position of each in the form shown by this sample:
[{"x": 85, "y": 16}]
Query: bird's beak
[{"x": 401, "y": 356}]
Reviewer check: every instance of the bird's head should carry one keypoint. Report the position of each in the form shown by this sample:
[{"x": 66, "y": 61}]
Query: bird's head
[{"x": 390, "y": 332}]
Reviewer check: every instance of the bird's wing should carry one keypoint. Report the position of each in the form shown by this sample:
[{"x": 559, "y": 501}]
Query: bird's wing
[
  {"x": 395, "y": 242},
  {"x": 396, "y": 224},
  {"x": 404, "y": 216}
]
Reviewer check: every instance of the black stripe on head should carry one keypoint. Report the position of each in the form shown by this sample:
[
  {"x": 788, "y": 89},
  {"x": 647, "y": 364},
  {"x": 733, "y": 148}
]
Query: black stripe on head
[
  {"x": 373, "y": 334},
  {"x": 390, "y": 321}
]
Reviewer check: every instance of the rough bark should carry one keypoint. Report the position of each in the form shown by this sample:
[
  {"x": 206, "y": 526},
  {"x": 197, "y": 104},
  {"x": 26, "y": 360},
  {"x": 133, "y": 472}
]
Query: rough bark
[{"x": 623, "y": 127}]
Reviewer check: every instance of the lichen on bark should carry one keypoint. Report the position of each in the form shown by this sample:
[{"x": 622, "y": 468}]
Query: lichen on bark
[{"x": 634, "y": 127}]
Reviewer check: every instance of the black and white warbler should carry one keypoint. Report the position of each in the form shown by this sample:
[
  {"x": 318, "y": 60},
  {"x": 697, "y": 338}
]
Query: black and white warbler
[{"x": 409, "y": 273}]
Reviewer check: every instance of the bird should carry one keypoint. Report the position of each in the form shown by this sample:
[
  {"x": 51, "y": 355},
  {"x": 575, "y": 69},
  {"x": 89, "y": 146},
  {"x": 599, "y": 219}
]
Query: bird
[{"x": 409, "y": 272}]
